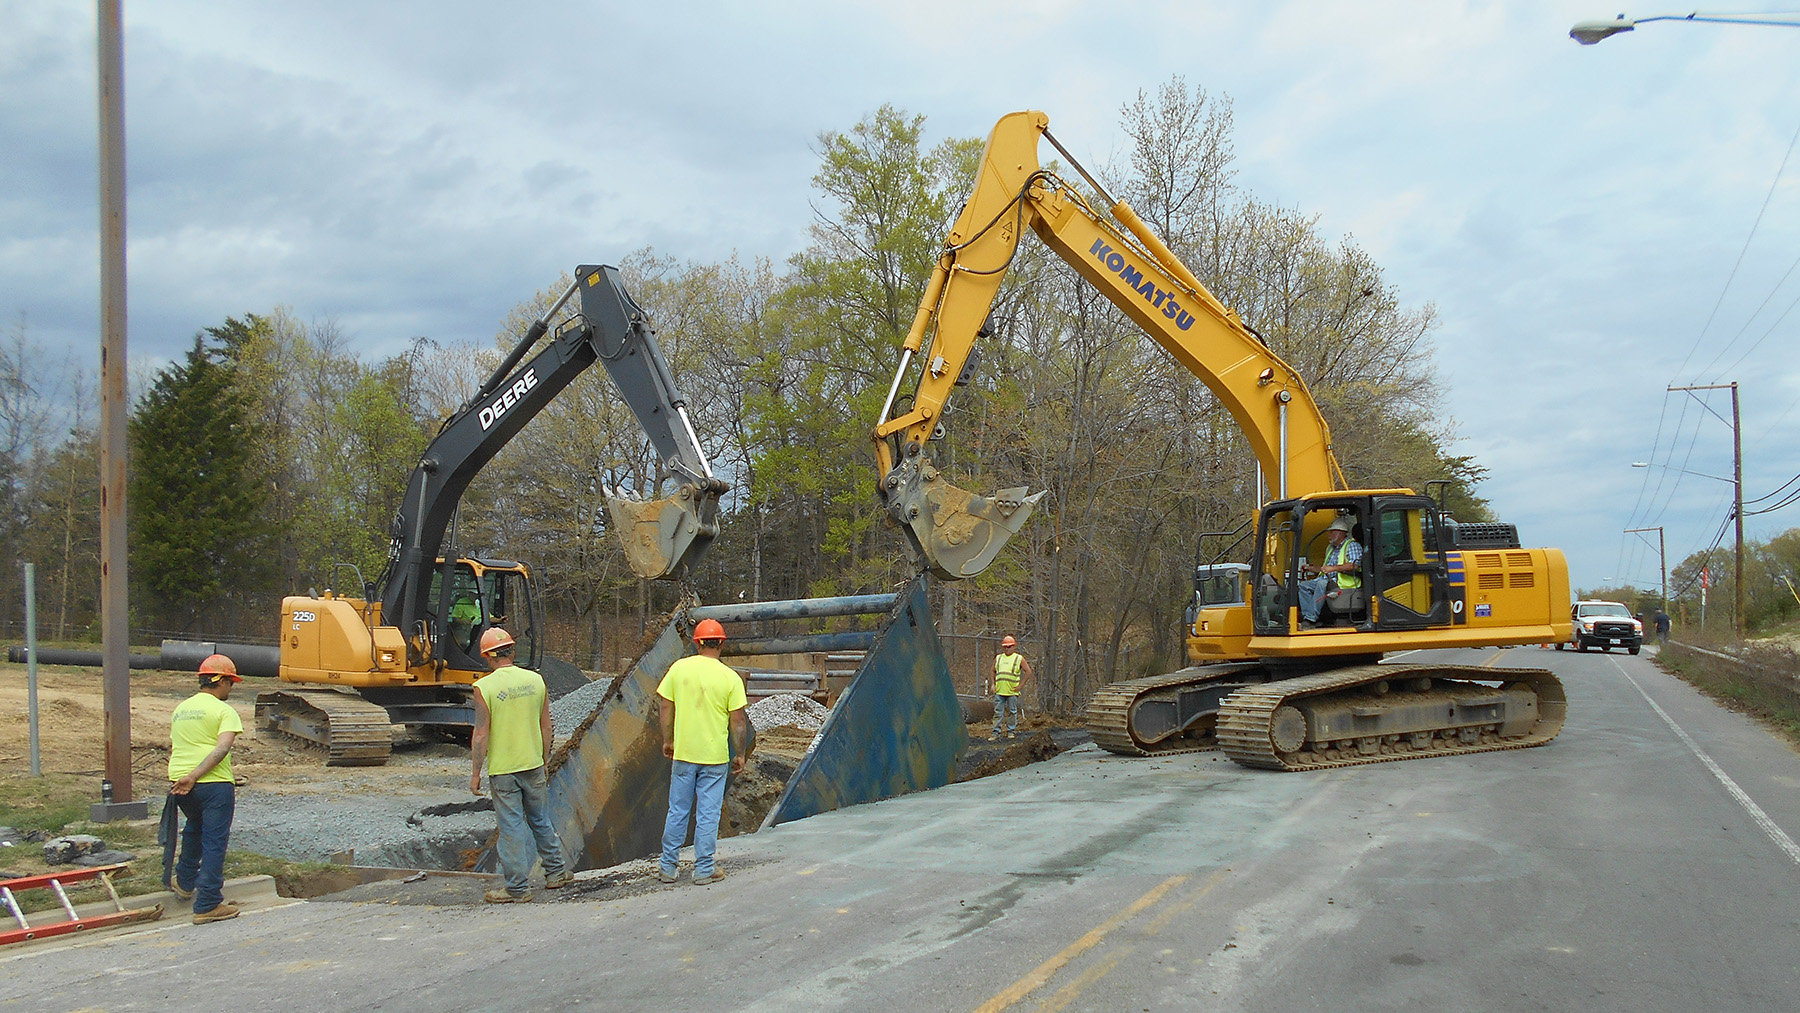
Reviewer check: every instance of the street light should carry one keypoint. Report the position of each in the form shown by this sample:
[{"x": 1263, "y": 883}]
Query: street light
[{"x": 1589, "y": 32}]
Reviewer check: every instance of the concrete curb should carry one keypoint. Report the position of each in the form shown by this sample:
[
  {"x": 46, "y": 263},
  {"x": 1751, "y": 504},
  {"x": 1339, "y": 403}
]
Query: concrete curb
[{"x": 245, "y": 891}]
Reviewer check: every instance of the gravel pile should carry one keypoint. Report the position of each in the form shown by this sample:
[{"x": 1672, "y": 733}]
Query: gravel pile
[
  {"x": 391, "y": 830},
  {"x": 571, "y": 710},
  {"x": 796, "y": 709}
]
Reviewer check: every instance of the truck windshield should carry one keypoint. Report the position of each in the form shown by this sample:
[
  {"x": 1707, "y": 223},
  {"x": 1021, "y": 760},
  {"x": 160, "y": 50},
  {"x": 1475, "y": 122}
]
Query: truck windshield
[{"x": 1606, "y": 610}]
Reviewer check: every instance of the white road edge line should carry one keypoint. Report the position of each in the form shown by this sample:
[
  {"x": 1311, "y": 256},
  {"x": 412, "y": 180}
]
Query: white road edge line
[{"x": 1776, "y": 834}]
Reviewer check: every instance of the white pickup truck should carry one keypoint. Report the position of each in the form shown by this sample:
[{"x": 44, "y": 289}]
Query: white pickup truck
[{"x": 1603, "y": 624}]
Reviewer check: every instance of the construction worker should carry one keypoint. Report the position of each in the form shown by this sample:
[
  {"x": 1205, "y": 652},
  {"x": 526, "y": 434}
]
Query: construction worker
[
  {"x": 1342, "y": 568},
  {"x": 703, "y": 728},
  {"x": 201, "y": 733},
  {"x": 1010, "y": 671},
  {"x": 512, "y": 737},
  {"x": 465, "y": 615}
]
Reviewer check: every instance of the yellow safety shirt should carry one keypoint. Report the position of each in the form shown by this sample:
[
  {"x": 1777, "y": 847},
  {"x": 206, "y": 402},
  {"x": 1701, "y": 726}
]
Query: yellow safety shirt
[
  {"x": 1340, "y": 553},
  {"x": 515, "y": 703},
  {"x": 1006, "y": 673},
  {"x": 704, "y": 691},
  {"x": 194, "y": 732}
]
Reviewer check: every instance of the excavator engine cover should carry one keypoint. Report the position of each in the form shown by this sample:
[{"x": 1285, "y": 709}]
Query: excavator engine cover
[{"x": 956, "y": 532}]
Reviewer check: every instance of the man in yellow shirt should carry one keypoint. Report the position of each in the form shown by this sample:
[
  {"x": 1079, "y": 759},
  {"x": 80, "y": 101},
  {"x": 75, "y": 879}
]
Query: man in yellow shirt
[
  {"x": 1010, "y": 672},
  {"x": 512, "y": 736},
  {"x": 201, "y": 733},
  {"x": 703, "y": 727}
]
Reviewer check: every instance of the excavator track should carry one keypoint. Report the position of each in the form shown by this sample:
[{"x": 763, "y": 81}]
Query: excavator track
[
  {"x": 1109, "y": 713},
  {"x": 1401, "y": 712},
  {"x": 352, "y": 731}
]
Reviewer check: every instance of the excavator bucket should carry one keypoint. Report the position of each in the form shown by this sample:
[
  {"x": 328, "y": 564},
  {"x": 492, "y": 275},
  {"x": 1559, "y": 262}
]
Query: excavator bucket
[
  {"x": 663, "y": 537},
  {"x": 957, "y": 532}
]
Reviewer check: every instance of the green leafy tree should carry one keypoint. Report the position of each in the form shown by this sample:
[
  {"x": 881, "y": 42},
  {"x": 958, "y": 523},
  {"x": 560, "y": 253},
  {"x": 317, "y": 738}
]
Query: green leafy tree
[{"x": 200, "y": 541}]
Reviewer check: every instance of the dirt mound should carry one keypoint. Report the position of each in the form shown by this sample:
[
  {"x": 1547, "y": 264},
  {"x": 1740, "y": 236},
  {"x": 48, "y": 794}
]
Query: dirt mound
[{"x": 986, "y": 759}]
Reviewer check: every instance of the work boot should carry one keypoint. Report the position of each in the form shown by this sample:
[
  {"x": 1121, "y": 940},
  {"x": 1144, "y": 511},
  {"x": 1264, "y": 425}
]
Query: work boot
[
  {"x": 558, "y": 881},
  {"x": 217, "y": 914},
  {"x": 666, "y": 875},
  {"x": 180, "y": 894},
  {"x": 710, "y": 878},
  {"x": 502, "y": 896}
]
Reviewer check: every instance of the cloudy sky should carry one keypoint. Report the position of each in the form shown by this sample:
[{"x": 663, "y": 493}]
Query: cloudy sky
[{"x": 1593, "y": 223}]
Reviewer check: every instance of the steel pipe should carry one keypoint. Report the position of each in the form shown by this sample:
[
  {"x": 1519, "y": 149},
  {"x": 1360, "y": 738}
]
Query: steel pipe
[
  {"x": 795, "y": 608},
  {"x": 818, "y": 643}
]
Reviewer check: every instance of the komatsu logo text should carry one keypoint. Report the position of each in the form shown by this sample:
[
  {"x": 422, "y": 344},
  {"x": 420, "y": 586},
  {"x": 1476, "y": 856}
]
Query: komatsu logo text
[
  {"x": 1158, "y": 298},
  {"x": 504, "y": 402}
]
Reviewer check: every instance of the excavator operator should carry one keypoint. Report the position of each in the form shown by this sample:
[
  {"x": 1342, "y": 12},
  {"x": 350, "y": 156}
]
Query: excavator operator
[
  {"x": 1340, "y": 570},
  {"x": 465, "y": 616}
]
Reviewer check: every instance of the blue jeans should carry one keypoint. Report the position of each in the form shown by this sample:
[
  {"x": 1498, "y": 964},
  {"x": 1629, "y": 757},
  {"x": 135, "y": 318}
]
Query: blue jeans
[
  {"x": 1311, "y": 593},
  {"x": 525, "y": 831},
  {"x": 696, "y": 789},
  {"x": 201, "y": 867},
  {"x": 1003, "y": 706}
]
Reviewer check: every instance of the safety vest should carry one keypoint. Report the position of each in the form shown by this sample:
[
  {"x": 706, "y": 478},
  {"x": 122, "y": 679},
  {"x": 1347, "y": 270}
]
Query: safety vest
[
  {"x": 1345, "y": 578},
  {"x": 1006, "y": 673}
]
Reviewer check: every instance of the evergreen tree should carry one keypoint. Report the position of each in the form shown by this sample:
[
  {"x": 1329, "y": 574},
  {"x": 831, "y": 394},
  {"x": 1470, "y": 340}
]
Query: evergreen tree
[{"x": 199, "y": 538}]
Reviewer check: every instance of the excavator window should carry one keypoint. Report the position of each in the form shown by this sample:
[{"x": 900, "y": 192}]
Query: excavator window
[
  {"x": 1273, "y": 597},
  {"x": 510, "y": 607},
  {"x": 467, "y": 618},
  {"x": 1412, "y": 577}
]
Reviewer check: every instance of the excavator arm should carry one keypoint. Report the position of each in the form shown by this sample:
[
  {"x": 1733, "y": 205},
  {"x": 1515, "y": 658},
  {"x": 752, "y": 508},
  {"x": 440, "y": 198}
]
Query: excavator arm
[
  {"x": 663, "y": 537},
  {"x": 958, "y": 533}
]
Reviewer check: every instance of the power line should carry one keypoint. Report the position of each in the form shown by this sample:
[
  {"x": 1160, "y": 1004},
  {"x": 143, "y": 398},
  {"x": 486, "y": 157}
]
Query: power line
[
  {"x": 1751, "y": 319},
  {"x": 1740, "y": 257},
  {"x": 1765, "y": 336}
]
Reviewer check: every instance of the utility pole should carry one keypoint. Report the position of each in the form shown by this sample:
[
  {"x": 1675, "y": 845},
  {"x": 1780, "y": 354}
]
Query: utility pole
[
  {"x": 1737, "y": 507},
  {"x": 1662, "y": 556},
  {"x": 115, "y": 632}
]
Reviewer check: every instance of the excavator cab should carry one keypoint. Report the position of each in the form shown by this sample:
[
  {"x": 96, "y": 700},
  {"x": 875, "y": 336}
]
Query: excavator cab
[
  {"x": 484, "y": 593},
  {"x": 1402, "y": 581}
]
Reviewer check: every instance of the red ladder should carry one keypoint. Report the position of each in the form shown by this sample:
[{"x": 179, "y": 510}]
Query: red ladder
[{"x": 53, "y": 881}]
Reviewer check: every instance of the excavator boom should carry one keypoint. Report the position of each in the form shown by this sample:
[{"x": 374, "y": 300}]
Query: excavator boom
[
  {"x": 959, "y": 533},
  {"x": 662, "y": 537}
]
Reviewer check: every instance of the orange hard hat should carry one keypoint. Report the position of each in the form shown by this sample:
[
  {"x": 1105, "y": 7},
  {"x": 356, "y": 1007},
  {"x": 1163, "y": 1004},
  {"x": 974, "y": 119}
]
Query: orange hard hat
[
  {"x": 1008, "y": 642},
  {"x": 709, "y": 629},
  {"x": 495, "y": 638},
  {"x": 220, "y": 667}
]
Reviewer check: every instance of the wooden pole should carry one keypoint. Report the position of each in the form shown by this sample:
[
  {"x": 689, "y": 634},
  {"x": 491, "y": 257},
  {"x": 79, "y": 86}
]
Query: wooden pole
[{"x": 114, "y": 620}]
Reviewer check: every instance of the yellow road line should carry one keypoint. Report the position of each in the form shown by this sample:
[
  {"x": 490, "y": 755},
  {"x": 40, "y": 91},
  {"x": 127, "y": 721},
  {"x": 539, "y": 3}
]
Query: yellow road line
[
  {"x": 1044, "y": 971},
  {"x": 1495, "y": 660},
  {"x": 1174, "y": 911},
  {"x": 1170, "y": 912},
  {"x": 1067, "y": 994}
]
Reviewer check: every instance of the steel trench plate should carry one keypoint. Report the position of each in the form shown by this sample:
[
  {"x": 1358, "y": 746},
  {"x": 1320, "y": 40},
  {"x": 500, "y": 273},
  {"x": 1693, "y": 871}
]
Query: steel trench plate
[{"x": 896, "y": 729}]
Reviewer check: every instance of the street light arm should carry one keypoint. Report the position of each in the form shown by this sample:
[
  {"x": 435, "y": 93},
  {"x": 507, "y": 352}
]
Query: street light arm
[
  {"x": 1684, "y": 471},
  {"x": 1590, "y": 32}
]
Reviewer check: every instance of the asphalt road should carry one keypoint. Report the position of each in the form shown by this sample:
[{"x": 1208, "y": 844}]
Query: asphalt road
[{"x": 1642, "y": 861}]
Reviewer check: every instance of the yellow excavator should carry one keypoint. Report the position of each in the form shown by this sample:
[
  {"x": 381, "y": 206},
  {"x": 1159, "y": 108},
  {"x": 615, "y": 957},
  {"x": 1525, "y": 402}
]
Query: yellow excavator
[
  {"x": 404, "y": 650},
  {"x": 1269, "y": 687}
]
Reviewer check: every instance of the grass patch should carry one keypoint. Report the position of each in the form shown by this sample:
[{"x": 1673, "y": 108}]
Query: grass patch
[
  {"x": 1765, "y": 683},
  {"x": 58, "y": 804}
]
